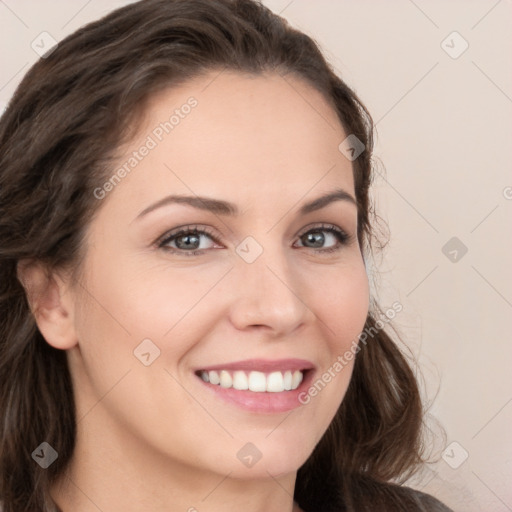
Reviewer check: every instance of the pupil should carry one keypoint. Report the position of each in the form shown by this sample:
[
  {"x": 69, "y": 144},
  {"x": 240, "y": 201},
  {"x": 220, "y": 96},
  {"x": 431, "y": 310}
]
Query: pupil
[
  {"x": 187, "y": 243},
  {"x": 316, "y": 238}
]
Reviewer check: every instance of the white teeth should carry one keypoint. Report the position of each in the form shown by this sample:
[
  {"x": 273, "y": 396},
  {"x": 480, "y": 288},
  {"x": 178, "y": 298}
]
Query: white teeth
[
  {"x": 296, "y": 379},
  {"x": 275, "y": 382},
  {"x": 214, "y": 377},
  {"x": 225, "y": 379},
  {"x": 287, "y": 380},
  {"x": 258, "y": 382},
  {"x": 240, "y": 380}
]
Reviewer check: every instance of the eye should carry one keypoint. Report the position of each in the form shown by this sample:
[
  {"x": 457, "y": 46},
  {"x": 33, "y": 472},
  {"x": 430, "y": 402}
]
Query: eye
[
  {"x": 185, "y": 239},
  {"x": 316, "y": 237}
]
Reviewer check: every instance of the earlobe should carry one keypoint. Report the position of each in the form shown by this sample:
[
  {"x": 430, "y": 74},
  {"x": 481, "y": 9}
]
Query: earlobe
[{"x": 51, "y": 304}]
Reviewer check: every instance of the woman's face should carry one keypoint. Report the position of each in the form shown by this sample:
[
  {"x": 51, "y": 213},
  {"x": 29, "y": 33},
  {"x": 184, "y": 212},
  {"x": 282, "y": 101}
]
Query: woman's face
[{"x": 264, "y": 289}]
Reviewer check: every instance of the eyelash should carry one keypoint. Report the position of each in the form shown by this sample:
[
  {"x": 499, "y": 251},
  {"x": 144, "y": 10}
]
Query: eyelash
[{"x": 342, "y": 237}]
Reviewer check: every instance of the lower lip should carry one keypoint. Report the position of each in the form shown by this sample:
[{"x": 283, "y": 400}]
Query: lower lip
[{"x": 262, "y": 402}]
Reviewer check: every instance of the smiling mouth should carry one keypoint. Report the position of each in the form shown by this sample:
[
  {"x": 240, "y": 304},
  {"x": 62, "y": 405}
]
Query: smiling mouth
[{"x": 258, "y": 382}]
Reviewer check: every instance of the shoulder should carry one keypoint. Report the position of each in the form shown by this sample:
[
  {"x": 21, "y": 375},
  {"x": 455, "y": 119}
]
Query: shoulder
[
  {"x": 374, "y": 496},
  {"x": 364, "y": 494},
  {"x": 429, "y": 503},
  {"x": 388, "y": 496}
]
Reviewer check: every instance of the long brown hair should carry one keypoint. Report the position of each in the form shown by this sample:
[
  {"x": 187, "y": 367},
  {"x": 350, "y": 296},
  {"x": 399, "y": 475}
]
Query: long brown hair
[{"x": 58, "y": 136}]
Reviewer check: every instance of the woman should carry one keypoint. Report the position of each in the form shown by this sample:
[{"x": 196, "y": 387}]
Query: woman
[{"x": 186, "y": 320}]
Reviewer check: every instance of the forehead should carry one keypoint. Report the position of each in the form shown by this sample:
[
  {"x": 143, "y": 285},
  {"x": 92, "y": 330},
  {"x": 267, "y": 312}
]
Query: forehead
[{"x": 228, "y": 132}]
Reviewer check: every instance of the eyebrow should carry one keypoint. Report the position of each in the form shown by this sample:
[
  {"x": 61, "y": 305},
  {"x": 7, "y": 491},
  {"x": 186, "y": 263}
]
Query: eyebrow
[{"x": 220, "y": 207}]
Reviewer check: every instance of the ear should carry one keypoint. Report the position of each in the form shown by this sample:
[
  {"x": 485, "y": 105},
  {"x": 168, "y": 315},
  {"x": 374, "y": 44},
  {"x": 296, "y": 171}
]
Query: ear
[{"x": 51, "y": 302}]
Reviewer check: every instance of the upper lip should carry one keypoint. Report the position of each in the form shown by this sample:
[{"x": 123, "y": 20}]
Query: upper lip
[{"x": 263, "y": 365}]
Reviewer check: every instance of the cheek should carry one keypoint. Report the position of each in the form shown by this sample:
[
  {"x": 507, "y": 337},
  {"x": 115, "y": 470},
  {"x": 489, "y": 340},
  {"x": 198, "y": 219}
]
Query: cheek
[
  {"x": 164, "y": 293},
  {"x": 341, "y": 305},
  {"x": 136, "y": 301},
  {"x": 340, "y": 297}
]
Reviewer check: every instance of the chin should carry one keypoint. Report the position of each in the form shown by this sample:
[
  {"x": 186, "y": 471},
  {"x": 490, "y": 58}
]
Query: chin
[{"x": 265, "y": 458}]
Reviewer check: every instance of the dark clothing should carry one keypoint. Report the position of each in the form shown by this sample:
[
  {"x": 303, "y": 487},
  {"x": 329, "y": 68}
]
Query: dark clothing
[{"x": 379, "y": 497}]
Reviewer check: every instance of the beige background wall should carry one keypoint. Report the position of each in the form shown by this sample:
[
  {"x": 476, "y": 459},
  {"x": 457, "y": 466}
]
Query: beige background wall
[{"x": 444, "y": 123}]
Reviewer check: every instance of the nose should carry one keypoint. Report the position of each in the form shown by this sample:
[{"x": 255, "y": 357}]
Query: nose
[{"x": 267, "y": 293}]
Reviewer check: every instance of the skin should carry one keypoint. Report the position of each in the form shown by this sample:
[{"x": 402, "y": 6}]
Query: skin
[{"x": 152, "y": 437}]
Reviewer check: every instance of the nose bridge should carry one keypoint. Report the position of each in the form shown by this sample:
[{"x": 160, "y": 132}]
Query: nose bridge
[{"x": 266, "y": 286}]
